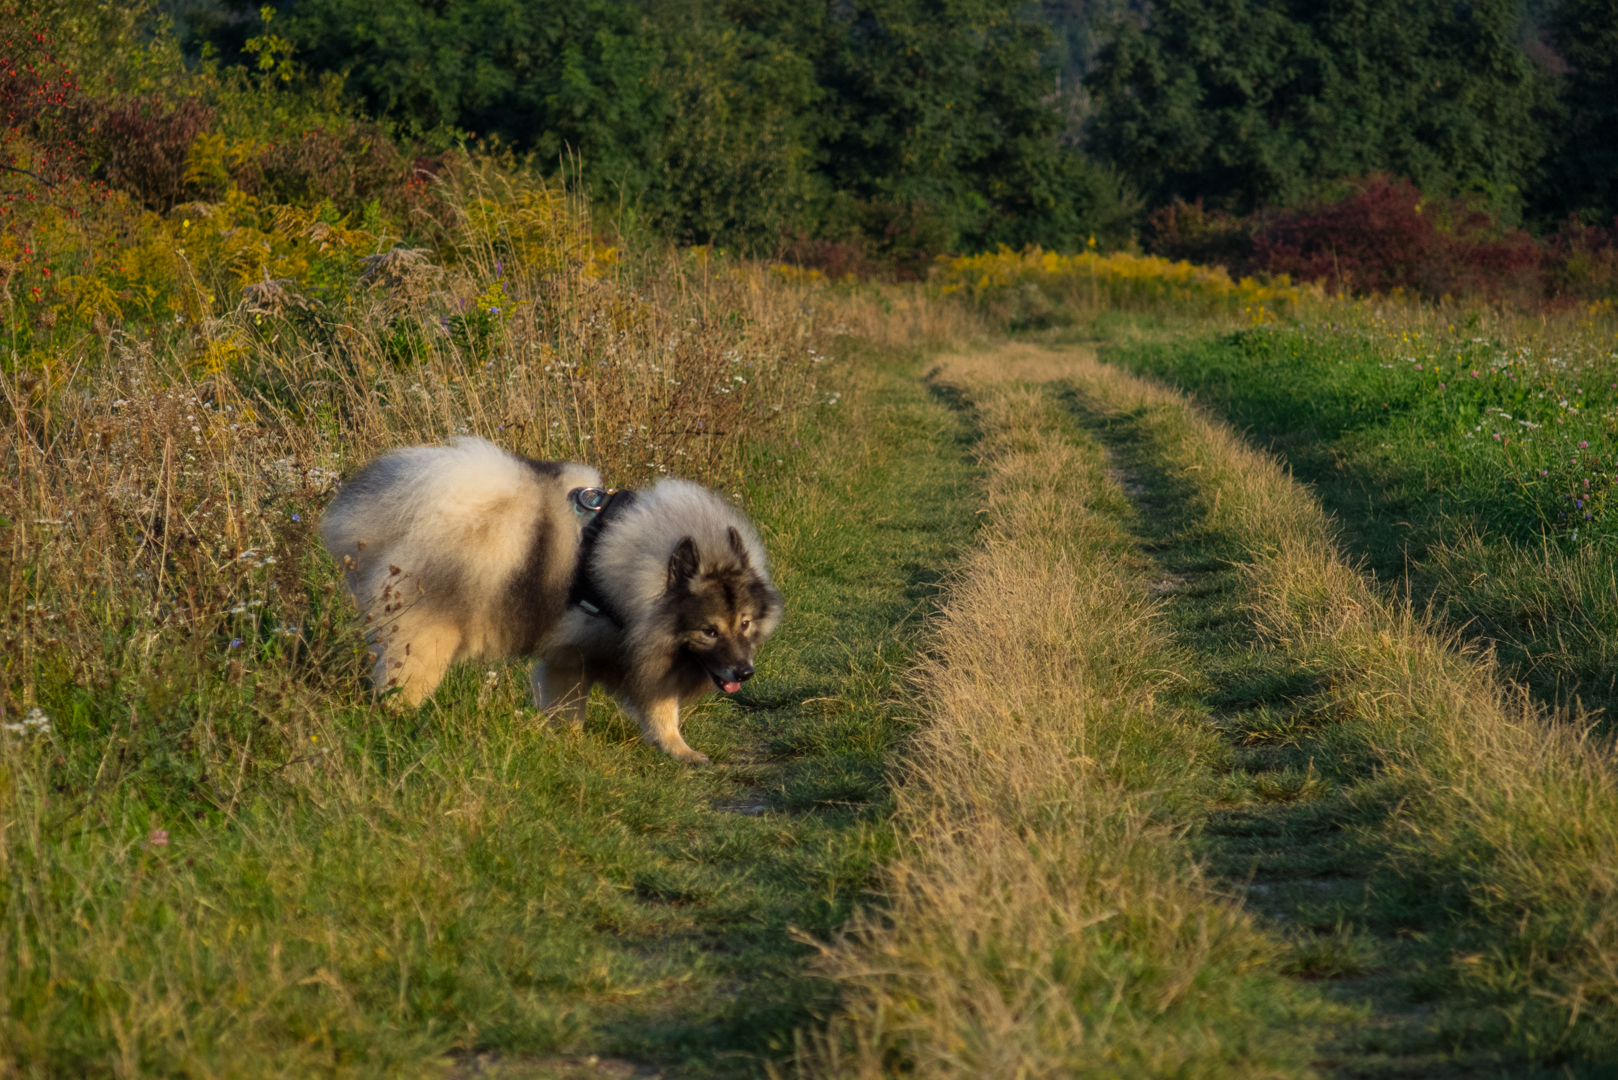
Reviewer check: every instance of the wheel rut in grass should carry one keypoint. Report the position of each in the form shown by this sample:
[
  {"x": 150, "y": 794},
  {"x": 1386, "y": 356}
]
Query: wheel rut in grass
[{"x": 1295, "y": 820}]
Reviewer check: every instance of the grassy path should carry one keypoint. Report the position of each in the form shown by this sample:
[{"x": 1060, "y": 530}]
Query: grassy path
[
  {"x": 1390, "y": 800},
  {"x": 698, "y": 973},
  {"x": 1279, "y": 826},
  {"x": 1183, "y": 794},
  {"x": 1166, "y": 712},
  {"x": 1046, "y": 917}
]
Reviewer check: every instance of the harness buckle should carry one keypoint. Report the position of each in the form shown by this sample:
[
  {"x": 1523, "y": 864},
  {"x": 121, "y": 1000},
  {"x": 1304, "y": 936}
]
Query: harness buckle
[{"x": 588, "y": 501}]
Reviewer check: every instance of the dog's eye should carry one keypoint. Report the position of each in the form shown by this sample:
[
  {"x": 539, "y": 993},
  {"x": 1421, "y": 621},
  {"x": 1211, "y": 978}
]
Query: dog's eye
[
  {"x": 710, "y": 631},
  {"x": 746, "y": 623}
]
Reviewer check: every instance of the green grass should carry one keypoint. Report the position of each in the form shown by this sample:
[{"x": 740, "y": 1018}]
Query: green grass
[
  {"x": 1471, "y": 462},
  {"x": 470, "y": 879},
  {"x": 1388, "y": 814},
  {"x": 1279, "y": 819}
]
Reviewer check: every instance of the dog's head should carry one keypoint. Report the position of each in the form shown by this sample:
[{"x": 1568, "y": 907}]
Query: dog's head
[{"x": 724, "y": 608}]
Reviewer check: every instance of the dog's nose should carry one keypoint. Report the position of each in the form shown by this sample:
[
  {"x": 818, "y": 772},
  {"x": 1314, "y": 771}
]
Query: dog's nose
[{"x": 743, "y": 673}]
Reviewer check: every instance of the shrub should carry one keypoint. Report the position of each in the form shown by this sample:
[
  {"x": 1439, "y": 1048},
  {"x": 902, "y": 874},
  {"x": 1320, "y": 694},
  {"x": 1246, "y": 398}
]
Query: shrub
[
  {"x": 874, "y": 238},
  {"x": 1186, "y": 231},
  {"x": 39, "y": 99},
  {"x": 1584, "y": 260},
  {"x": 145, "y": 143},
  {"x": 1387, "y": 236},
  {"x": 348, "y": 167},
  {"x": 1033, "y": 288}
]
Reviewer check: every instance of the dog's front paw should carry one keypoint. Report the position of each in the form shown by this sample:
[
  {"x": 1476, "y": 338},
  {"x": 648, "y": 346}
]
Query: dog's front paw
[{"x": 690, "y": 756}]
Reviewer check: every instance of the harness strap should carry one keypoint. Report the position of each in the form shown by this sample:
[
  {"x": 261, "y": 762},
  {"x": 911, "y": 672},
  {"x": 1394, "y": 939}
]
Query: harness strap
[{"x": 584, "y": 593}]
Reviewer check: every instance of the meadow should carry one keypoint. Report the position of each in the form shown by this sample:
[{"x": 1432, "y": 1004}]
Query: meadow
[
  {"x": 1184, "y": 674},
  {"x": 1271, "y": 794}
]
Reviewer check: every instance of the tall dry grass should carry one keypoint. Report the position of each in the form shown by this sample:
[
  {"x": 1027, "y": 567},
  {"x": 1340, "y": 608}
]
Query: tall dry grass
[
  {"x": 215, "y": 852},
  {"x": 908, "y": 317},
  {"x": 1502, "y": 828},
  {"x": 162, "y": 493},
  {"x": 1044, "y": 918}
]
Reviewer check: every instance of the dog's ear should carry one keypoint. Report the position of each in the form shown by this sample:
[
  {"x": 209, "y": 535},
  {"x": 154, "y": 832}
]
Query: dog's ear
[
  {"x": 738, "y": 547},
  {"x": 682, "y": 564}
]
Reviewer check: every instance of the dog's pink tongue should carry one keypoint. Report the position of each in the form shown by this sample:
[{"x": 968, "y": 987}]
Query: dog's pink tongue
[{"x": 731, "y": 687}]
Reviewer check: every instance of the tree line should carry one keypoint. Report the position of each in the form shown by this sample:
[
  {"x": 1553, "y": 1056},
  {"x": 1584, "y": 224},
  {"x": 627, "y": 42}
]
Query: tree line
[{"x": 909, "y": 126}]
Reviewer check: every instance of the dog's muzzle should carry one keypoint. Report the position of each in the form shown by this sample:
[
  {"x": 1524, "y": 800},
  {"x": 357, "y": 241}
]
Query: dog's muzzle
[{"x": 731, "y": 681}]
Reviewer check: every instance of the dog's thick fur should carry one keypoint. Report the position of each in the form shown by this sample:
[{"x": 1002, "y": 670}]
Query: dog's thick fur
[
  {"x": 687, "y": 600},
  {"x": 464, "y": 551},
  {"x": 453, "y": 552}
]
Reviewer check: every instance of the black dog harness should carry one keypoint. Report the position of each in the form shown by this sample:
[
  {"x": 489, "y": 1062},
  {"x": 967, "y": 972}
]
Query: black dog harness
[{"x": 602, "y": 506}]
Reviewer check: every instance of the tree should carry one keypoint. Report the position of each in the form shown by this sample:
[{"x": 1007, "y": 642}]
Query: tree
[
  {"x": 1255, "y": 102},
  {"x": 916, "y": 123},
  {"x": 545, "y": 75},
  {"x": 947, "y": 104},
  {"x": 1583, "y": 178}
]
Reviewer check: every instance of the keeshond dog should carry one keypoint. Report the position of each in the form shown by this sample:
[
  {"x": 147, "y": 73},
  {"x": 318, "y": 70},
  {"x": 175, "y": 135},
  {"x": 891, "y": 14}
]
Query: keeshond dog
[{"x": 462, "y": 551}]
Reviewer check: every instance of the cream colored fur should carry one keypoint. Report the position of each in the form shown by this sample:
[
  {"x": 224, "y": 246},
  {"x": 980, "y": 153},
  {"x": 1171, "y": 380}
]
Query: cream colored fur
[{"x": 431, "y": 538}]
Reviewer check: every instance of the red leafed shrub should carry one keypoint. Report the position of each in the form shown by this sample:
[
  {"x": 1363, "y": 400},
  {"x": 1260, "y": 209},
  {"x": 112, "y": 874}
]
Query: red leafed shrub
[
  {"x": 873, "y": 239},
  {"x": 1373, "y": 241},
  {"x": 349, "y": 166},
  {"x": 145, "y": 142},
  {"x": 1386, "y": 235},
  {"x": 40, "y": 98},
  {"x": 836, "y": 259}
]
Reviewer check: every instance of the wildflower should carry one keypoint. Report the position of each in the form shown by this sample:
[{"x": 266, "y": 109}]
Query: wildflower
[
  {"x": 157, "y": 838},
  {"x": 296, "y": 517},
  {"x": 35, "y": 723},
  {"x": 235, "y": 643},
  {"x": 1443, "y": 386},
  {"x": 1584, "y": 444}
]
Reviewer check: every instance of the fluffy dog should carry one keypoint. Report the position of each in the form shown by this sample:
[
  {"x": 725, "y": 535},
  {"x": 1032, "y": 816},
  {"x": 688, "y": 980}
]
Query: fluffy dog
[{"x": 461, "y": 551}]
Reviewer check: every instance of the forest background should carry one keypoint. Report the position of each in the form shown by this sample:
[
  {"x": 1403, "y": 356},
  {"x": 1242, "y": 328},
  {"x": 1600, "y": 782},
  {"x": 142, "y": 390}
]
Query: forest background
[{"x": 1441, "y": 147}]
